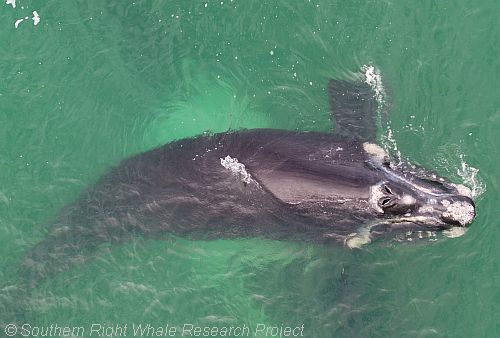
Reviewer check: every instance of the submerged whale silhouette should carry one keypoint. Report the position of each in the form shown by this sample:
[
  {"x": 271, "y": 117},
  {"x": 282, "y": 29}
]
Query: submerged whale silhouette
[{"x": 339, "y": 187}]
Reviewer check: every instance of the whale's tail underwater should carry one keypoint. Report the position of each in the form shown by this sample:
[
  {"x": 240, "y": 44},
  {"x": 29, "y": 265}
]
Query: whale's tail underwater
[{"x": 325, "y": 187}]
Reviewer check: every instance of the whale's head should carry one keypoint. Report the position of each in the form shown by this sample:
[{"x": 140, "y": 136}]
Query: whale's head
[
  {"x": 400, "y": 196},
  {"x": 428, "y": 202},
  {"x": 403, "y": 195},
  {"x": 412, "y": 197}
]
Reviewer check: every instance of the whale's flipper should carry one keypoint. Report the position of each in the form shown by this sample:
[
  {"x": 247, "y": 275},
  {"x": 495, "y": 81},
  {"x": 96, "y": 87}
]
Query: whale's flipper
[{"x": 354, "y": 109}]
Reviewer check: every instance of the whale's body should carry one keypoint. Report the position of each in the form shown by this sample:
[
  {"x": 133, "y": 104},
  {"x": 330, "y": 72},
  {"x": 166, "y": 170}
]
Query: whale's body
[{"x": 271, "y": 183}]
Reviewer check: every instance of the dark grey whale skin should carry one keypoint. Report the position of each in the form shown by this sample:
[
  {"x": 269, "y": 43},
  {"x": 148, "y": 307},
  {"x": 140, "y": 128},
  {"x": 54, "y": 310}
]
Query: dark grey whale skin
[
  {"x": 298, "y": 186},
  {"x": 182, "y": 188}
]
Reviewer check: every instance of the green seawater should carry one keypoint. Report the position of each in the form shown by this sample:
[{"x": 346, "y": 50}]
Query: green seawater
[{"x": 97, "y": 81}]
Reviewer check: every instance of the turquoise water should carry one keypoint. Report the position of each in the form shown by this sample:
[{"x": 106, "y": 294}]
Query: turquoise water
[{"x": 95, "y": 82}]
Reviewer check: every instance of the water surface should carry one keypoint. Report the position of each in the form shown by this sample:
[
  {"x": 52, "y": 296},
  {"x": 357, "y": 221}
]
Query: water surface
[{"x": 97, "y": 81}]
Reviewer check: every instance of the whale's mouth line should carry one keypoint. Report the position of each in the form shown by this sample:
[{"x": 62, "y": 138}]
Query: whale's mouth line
[
  {"x": 363, "y": 234},
  {"x": 422, "y": 220}
]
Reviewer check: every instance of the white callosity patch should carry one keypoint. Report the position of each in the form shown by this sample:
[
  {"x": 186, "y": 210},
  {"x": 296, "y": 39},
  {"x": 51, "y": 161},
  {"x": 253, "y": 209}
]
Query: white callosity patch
[
  {"x": 11, "y": 2},
  {"x": 420, "y": 235},
  {"x": 376, "y": 193},
  {"x": 407, "y": 200},
  {"x": 455, "y": 232},
  {"x": 356, "y": 241},
  {"x": 375, "y": 151},
  {"x": 426, "y": 209},
  {"x": 460, "y": 211},
  {"x": 233, "y": 165},
  {"x": 463, "y": 190}
]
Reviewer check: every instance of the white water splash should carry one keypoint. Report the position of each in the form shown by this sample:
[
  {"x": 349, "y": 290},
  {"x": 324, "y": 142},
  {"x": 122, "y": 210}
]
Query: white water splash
[
  {"x": 11, "y": 2},
  {"x": 16, "y": 24},
  {"x": 389, "y": 142},
  {"x": 467, "y": 173},
  {"x": 233, "y": 165},
  {"x": 35, "y": 18},
  {"x": 469, "y": 176},
  {"x": 374, "y": 80}
]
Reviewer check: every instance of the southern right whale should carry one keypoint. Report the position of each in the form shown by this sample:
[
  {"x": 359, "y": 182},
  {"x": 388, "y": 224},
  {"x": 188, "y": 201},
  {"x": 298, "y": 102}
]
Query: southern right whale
[{"x": 325, "y": 187}]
